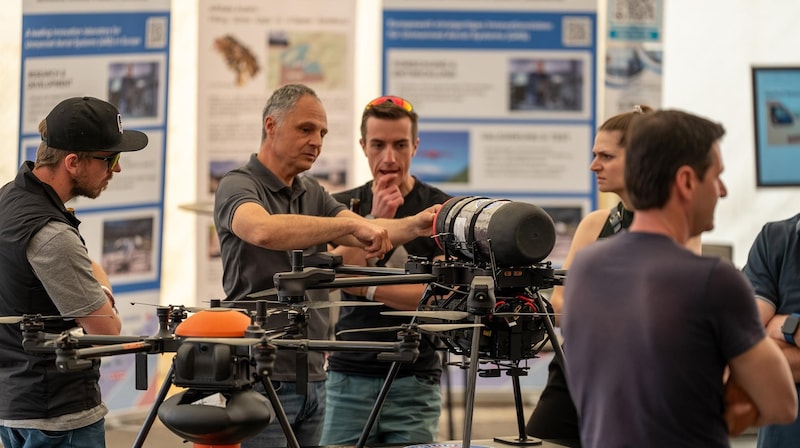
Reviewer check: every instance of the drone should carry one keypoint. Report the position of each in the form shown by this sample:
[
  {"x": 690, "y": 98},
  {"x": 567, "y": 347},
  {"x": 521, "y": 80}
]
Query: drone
[
  {"x": 490, "y": 277},
  {"x": 220, "y": 353},
  {"x": 484, "y": 296}
]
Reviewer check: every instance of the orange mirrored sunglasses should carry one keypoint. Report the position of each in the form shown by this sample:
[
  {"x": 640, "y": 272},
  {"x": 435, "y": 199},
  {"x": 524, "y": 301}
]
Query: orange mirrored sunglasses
[{"x": 394, "y": 99}]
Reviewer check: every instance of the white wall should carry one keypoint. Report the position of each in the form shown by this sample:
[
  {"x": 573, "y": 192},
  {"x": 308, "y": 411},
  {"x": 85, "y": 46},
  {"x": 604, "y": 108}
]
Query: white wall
[
  {"x": 10, "y": 53},
  {"x": 709, "y": 48}
]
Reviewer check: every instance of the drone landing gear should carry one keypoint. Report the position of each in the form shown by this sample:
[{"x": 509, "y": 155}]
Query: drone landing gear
[
  {"x": 523, "y": 439},
  {"x": 376, "y": 408}
]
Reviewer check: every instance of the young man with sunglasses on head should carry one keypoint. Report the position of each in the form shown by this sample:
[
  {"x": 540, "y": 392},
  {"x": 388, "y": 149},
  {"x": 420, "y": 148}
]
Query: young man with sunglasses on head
[
  {"x": 45, "y": 269},
  {"x": 410, "y": 414},
  {"x": 266, "y": 209}
]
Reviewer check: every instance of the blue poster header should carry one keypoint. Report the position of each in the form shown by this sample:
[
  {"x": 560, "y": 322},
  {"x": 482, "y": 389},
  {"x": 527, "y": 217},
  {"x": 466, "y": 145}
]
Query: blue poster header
[
  {"x": 86, "y": 34},
  {"x": 480, "y": 29}
]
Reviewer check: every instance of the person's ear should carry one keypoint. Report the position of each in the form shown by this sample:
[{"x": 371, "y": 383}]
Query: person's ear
[
  {"x": 685, "y": 181},
  {"x": 269, "y": 125},
  {"x": 363, "y": 145},
  {"x": 71, "y": 162}
]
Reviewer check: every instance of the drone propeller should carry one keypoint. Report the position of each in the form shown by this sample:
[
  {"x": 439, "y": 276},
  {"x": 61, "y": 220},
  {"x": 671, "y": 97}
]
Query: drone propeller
[
  {"x": 240, "y": 342},
  {"x": 443, "y": 314},
  {"x": 314, "y": 305},
  {"x": 524, "y": 314},
  {"x": 34, "y": 317},
  {"x": 16, "y": 319},
  {"x": 272, "y": 292},
  {"x": 334, "y": 304},
  {"x": 203, "y": 208},
  {"x": 191, "y": 309},
  {"x": 431, "y": 328}
]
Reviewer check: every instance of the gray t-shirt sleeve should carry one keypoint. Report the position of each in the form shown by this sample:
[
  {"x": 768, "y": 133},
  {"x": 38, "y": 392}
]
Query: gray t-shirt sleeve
[{"x": 60, "y": 261}]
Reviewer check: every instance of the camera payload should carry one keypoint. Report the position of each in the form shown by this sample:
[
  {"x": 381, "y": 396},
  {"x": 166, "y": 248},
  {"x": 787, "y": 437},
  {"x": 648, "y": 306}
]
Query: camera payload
[{"x": 474, "y": 228}]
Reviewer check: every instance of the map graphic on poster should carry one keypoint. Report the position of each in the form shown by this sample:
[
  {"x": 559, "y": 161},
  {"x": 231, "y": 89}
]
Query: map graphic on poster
[{"x": 306, "y": 58}]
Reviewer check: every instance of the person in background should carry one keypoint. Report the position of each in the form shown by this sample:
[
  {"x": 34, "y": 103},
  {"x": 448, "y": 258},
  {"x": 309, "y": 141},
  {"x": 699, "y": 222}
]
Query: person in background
[
  {"x": 554, "y": 416},
  {"x": 410, "y": 414},
  {"x": 45, "y": 269},
  {"x": 772, "y": 269},
  {"x": 653, "y": 328},
  {"x": 265, "y": 210}
]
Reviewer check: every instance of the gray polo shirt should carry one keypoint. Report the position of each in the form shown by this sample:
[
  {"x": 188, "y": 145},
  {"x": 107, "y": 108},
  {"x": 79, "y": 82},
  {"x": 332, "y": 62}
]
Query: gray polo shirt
[{"x": 248, "y": 268}]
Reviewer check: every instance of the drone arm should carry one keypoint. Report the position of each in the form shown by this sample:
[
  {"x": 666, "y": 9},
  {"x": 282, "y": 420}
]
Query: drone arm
[
  {"x": 114, "y": 349},
  {"x": 324, "y": 345},
  {"x": 406, "y": 350}
]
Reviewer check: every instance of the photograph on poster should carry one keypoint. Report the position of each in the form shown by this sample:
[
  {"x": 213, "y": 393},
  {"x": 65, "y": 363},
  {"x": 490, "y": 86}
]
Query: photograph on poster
[
  {"x": 315, "y": 59},
  {"x": 776, "y": 105},
  {"x": 442, "y": 156},
  {"x": 630, "y": 60},
  {"x": 238, "y": 58},
  {"x": 133, "y": 87},
  {"x": 128, "y": 246},
  {"x": 546, "y": 84}
]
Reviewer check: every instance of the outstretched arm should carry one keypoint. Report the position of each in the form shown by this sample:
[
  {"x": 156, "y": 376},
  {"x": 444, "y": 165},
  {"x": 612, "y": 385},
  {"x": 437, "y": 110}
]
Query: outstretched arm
[{"x": 253, "y": 224}]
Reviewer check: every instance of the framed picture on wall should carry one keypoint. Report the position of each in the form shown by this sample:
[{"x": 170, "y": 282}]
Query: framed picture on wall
[{"x": 776, "y": 112}]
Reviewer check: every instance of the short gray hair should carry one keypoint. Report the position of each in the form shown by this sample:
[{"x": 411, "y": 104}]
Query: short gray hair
[{"x": 283, "y": 100}]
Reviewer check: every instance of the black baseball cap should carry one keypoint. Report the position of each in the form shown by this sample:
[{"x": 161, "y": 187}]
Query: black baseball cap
[{"x": 90, "y": 124}]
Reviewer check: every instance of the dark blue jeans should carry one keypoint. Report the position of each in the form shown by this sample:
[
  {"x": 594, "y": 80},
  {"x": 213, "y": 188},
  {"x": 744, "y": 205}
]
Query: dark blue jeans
[
  {"x": 92, "y": 436},
  {"x": 409, "y": 415},
  {"x": 305, "y": 414}
]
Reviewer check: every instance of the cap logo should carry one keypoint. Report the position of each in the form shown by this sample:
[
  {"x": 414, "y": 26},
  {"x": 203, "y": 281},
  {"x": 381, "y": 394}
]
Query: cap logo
[{"x": 119, "y": 123}]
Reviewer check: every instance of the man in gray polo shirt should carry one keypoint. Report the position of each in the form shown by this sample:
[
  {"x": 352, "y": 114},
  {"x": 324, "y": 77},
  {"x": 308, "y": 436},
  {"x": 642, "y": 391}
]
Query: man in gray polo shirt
[{"x": 266, "y": 209}]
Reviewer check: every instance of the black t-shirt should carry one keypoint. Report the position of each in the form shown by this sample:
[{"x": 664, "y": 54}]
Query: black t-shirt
[{"x": 428, "y": 365}]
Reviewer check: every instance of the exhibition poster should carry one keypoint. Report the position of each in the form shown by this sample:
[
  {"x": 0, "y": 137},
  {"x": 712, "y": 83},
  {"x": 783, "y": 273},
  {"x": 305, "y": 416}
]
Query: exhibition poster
[
  {"x": 634, "y": 55},
  {"x": 505, "y": 91},
  {"x": 776, "y": 112},
  {"x": 247, "y": 49}
]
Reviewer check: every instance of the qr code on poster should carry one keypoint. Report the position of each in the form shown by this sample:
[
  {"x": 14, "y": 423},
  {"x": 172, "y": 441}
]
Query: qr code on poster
[
  {"x": 156, "y": 32},
  {"x": 642, "y": 12},
  {"x": 576, "y": 31}
]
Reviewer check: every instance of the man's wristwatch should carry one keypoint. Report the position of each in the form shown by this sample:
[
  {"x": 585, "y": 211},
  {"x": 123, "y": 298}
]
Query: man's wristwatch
[{"x": 789, "y": 327}]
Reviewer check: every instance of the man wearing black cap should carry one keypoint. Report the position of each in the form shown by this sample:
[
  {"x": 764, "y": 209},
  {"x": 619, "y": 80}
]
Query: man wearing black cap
[{"x": 45, "y": 269}]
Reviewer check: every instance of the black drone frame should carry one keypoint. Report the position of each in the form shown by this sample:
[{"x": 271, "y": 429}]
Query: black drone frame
[
  {"x": 479, "y": 284},
  {"x": 73, "y": 354}
]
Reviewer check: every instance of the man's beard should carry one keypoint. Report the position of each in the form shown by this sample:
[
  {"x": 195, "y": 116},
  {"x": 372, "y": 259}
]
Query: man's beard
[{"x": 81, "y": 188}]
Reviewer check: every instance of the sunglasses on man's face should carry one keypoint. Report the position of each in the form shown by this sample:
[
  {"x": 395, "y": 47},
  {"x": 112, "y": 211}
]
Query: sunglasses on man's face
[
  {"x": 111, "y": 160},
  {"x": 394, "y": 99}
]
